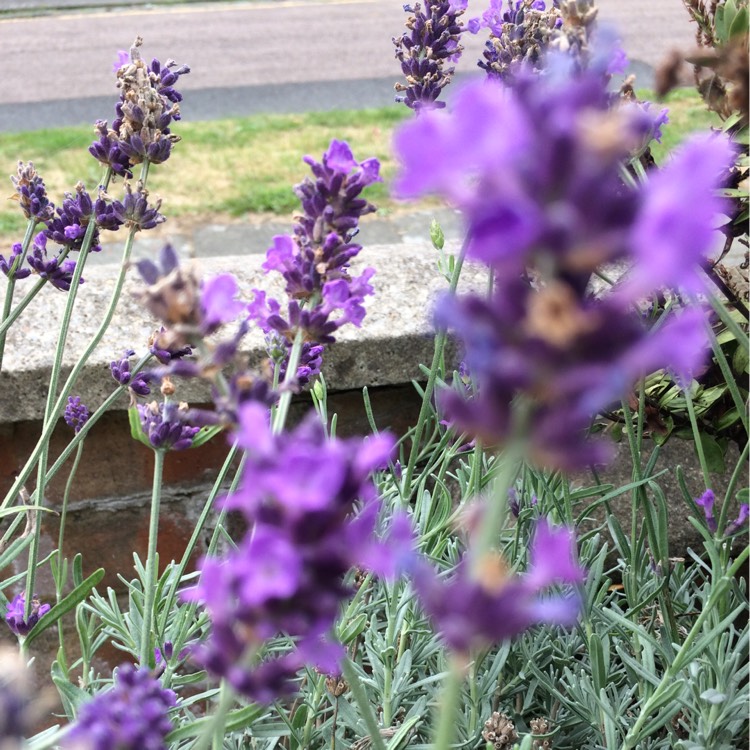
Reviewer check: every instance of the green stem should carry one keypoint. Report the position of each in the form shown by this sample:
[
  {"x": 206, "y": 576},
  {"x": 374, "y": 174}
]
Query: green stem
[
  {"x": 149, "y": 585},
  {"x": 215, "y": 731},
  {"x": 365, "y": 707},
  {"x": 8, "y": 301},
  {"x": 72, "y": 445},
  {"x": 60, "y": 582},
  {"x": 389, "y": 667},
  {"x": 726, "y": 318},
  {"x": 697, "y": 438},
  {"x": 446, "y": 728},
  {"x": 312, "y": 709},
  {"x": 50, "y": 413},
  {"x": 424, "y": 410},
  {"x": 197, "y": 531},
  {"x": 733, "y": 481},
  {"x": 282, "y": 408}
]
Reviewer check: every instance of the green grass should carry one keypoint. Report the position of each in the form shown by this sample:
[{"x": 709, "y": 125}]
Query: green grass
[{"x": 247, "y": 165}]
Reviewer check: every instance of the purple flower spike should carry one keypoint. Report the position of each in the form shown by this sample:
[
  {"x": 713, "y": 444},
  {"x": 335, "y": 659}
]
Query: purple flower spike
[
  {"x": 484, "y": 603},
  {"x": 315, "y": 261},
  {"x": 69, "y": 227},
  {"x": 148, "y": 104},
  {"x": 32, "y": 194},
  {"x": 132, "y": 715},
  {"x": 76, "y": 414},
  {"x": 432, "y": 40},
  {"x": 135, "y": 211},
  {"x": 15, "y": 614},
  {"x": 299, "y": 494}
]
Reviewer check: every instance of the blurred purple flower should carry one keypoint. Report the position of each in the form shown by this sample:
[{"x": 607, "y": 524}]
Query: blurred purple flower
[
  {"x": 132, "y": 715},
  {"x": 15, "y": 614},
  {"x": 123, "y": 58},
  {"x": 219, "y": 303},
  {"x": 483, "y": 603},
  {"x": 676, "y": 225},
  {"x": 299, "y": 494}
]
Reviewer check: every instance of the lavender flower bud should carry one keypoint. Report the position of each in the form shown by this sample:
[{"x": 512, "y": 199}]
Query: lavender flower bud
[
  {"x": 32, "y": 194},
  {"x": 76, "y": 414},
  {"x": 15, "y": 614},
  {"x": 164, "y": 425}
]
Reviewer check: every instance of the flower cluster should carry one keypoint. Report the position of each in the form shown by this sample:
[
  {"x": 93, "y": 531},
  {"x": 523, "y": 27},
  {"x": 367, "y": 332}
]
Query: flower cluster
[
  {"x": 189, "y": 308},
  {"x": 69, "y": 227},
  {"x": 519, "y": 35},
  {"x": 120, "y": 369},
  {"x": 431, "y": 41},
  {"x": 165, "y": 425},
  {"x": 562, "y": 213},
  {"x": 15, "y": 614},
  {"x": 134, "y": 211},
  {"x": 32, "y": 194},
  {"x": 148, "y": 105},
  {"x": 707, "y": 500},
  {"x": 76, "y": 414},
  {"x": 58, "y": 272},
  {"x": 133, "y": 715},
  {"x": 314, "y": 262},
  {"x": 299, "y": 493},
  {"x": 484, "y": 603}
]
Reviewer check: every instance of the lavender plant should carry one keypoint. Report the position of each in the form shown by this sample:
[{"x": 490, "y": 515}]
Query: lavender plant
[{"x": 456, "y": 586}]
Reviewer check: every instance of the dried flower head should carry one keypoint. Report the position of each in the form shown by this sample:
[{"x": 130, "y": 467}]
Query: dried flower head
[
  {"x": 148, "y": 104},
  {"x": 540, "y": 727},
  {"x": 500, "y": 731}
]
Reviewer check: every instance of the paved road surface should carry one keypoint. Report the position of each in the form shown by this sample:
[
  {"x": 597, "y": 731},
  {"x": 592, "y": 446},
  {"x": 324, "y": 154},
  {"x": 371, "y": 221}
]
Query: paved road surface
[{"x": 281, "y": 55}]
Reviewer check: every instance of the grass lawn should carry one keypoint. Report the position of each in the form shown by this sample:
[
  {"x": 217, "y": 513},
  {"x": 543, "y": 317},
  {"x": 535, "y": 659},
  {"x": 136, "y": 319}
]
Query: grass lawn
[{"x": 244, "y": 166}]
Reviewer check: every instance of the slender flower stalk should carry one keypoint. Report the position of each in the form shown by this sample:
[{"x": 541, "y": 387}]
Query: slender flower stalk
[
  {"x": 149, "y": 584},
  {"x": 5, "y": 320}
]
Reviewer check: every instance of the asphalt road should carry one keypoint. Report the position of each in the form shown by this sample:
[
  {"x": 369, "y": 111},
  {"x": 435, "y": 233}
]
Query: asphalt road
[{"x": 246, "y": 57}]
